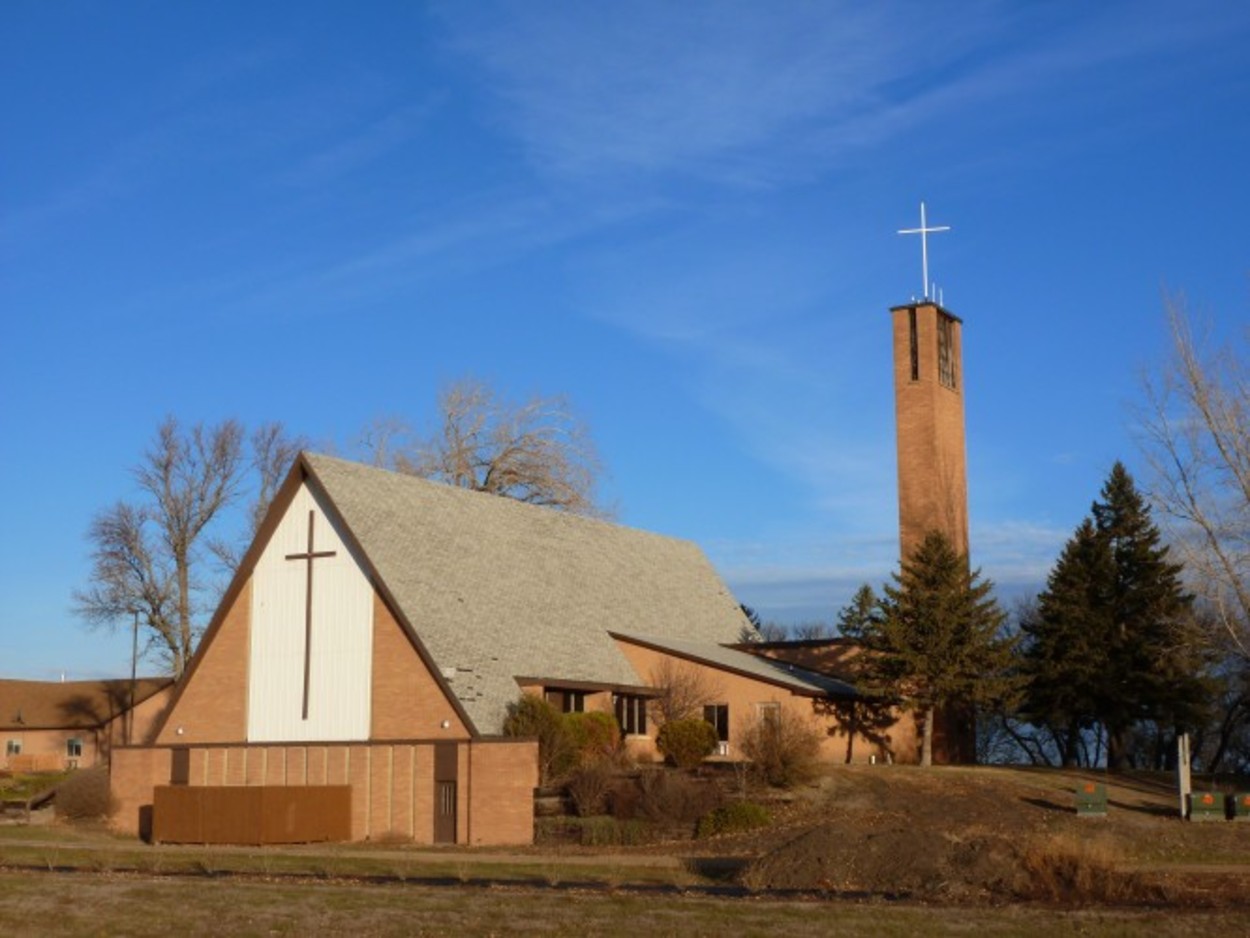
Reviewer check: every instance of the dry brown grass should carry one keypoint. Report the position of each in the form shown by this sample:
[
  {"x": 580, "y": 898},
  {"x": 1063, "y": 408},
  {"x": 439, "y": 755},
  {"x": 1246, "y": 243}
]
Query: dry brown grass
[
  {"x": 1077, "y": 870},
  {"x": 114, "y": 904}
]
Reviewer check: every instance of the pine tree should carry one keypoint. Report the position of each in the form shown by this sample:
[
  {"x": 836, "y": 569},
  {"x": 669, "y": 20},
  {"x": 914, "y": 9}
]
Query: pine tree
[
  {"x": 1154, "y": 651},
  {"x": 1115, "y": 641},
  {"x": 858, "y": 616},
  {"x": 1064, "y": 643},
  {"x": 938, "y": 642}
]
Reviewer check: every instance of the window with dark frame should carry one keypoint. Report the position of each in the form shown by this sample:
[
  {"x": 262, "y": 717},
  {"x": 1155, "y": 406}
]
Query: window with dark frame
[
  {"x": 946, "y": 351},
  {"x": 718, "y": 716},
  {"x": 769, "y": 713},
  {"x": 631, "y": 714},
  {"x": 567, "y": 701},
  {"x": 915, "y": 345}
]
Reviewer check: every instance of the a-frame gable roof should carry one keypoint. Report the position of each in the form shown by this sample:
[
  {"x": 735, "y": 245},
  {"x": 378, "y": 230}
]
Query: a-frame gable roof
[{"x": 495, "y": 589}]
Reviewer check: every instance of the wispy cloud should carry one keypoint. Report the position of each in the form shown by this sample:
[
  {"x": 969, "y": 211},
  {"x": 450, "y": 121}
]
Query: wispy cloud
[
  {"x": 353, "y": 149},
  {"x": 755, "y": 94},
  {"x": 661, "y": 87}
]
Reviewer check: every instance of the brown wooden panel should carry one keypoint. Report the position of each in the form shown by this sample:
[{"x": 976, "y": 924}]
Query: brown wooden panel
[
  {"x": 306, "y": 814},
  {"x": 251, "y": 815},
  {"x": 232, "y": 815},
  {"x": 176, "y": 815}
]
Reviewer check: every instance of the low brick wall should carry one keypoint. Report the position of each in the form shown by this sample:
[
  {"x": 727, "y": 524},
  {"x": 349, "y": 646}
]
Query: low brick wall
[{"x": 392, "y": 784}]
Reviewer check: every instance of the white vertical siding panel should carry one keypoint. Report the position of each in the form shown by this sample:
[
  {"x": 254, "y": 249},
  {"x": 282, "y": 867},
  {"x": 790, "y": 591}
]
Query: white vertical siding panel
[{"x": 342, "y": 636}]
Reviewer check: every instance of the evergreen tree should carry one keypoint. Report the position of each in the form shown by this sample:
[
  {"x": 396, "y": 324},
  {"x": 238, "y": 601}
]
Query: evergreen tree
[
  {"x": 1065, "y": 642},
  {"x": 1115, "y": 641},
  {"x": 857, "y": 618},
  {"x": 1154, "y": 651},
  {"x": 938, "y": 640}
]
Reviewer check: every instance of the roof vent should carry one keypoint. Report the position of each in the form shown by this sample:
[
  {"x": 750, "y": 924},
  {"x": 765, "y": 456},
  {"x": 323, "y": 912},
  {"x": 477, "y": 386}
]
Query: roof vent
[{"x": 449, "y": 673}]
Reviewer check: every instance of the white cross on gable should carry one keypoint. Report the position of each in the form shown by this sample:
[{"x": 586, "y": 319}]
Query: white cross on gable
[{"x": 924, "y": 231}]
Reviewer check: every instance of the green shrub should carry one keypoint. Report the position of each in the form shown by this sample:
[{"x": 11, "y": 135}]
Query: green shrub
[
  {"x": 533, "y": 716},
  {"x": 783, "y": 748},
  {"x": 732, "y": 818},
  {"x": 686, "y": 742},
  {"x": 593, "y": 737},
  {"x": 85, "y": 795},
  {"x": 609, "y": 832}
]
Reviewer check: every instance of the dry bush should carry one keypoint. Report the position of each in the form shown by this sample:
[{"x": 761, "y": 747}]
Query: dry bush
[
  {"x": 783, "y": 748},
  {"x": 675, "y": 798},
  {"x": 623, "y": 799},
  {"x": 588, "y": 787},
  {"x": 683, "y": 690},
  {"x": 85, "y": 795},
  {"x": 1064, "y": 868}
]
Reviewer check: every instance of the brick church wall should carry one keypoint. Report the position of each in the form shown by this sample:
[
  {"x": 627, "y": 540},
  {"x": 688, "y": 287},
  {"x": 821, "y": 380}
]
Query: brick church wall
[{"x": 392, "y": 784}]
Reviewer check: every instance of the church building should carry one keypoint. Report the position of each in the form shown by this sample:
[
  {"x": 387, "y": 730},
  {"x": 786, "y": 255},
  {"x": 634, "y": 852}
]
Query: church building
[
  {"x": 380, "y": 626},
  {"x": 363, "y": 660}
]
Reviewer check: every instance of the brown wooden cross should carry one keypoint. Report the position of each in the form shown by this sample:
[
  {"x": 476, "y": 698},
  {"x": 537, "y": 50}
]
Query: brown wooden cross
[{"x": 309, "y": 556}]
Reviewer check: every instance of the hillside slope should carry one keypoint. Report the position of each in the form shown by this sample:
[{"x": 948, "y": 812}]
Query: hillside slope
[{"x": 998, "y": 833}]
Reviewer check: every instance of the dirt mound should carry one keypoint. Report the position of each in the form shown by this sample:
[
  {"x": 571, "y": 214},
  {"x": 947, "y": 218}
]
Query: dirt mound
[
  {"x": 899, "y": 862},
  {"x": 949, "y": 835}
]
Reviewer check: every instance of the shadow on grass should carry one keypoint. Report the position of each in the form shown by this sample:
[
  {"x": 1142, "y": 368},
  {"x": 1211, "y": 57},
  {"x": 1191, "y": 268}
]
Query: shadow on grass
[
  {"x": 1049, "y": 806},
  {"x": 717, "y": 869},
  {"x": 1151, "y": 810}
]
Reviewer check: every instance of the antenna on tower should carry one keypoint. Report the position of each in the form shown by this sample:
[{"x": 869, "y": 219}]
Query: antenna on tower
[{"x": 924, "y": 231}]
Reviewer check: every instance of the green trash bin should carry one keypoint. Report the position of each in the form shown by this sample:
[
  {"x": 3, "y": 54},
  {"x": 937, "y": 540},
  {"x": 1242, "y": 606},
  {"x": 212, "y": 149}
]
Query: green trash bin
[
  {"x": 1091, "y": 799},
  {"x": 1206, "y": 806},
  {"x": 1239, "y": 806}
]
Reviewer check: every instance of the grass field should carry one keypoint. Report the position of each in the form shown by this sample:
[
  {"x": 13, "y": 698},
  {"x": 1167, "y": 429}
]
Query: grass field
[
  {"x": 1188, "y": 879},
  {"x": 122, "y": 904}
]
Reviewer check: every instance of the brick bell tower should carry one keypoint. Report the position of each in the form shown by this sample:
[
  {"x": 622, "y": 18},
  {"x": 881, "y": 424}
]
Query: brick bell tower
[{"x": 929, "y": 416}]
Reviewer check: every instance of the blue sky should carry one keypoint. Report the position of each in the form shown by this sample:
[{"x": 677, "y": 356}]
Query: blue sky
[{"x": 681, "y": 216}]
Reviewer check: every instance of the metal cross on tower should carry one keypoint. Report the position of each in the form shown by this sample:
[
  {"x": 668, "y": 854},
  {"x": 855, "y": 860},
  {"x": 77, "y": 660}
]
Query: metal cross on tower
[
  {"x": 924, "y": 231},
  {"x": 308, "y": 557}
]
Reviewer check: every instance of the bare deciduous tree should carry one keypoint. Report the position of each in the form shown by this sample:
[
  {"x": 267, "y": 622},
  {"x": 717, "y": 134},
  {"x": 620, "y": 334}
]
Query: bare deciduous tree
[
  {"x": 273, "y": 452},
  {"x": 382, "y": 439},
  {"x": 1197, "y": 439},
  {"x": 149, "y": 557},
  {"x": 684, "y": 690},
  {"x": 536, "y": 452}
]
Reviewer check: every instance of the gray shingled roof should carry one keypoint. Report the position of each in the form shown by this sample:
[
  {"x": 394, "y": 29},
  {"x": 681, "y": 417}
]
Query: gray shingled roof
[
  {"x": 497, "y": 589},
  {"x": 777, "y": 672}
]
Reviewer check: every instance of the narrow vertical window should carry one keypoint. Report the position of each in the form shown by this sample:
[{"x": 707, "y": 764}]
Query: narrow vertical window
[
  {"x": 946, "y": 351},
  {"x": 915, "y": 345},
  {"x": 770, "y": 714},
  {"x": 718, "y": 716},
  {"x": 631, "y": 714}
]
